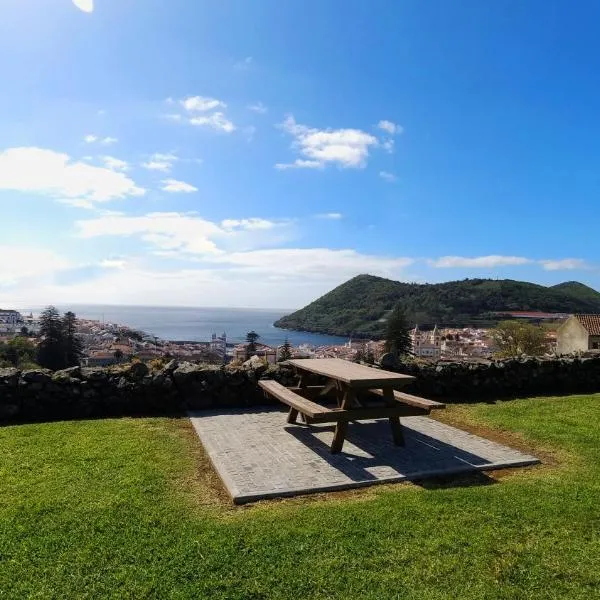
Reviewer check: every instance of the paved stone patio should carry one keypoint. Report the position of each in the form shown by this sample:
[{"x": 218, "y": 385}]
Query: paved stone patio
[{"x": 258, "y": 455}]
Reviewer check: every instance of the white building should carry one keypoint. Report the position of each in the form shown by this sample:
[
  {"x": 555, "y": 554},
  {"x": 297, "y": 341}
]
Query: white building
[
  {"x": 240, "y": 352},
  {"x": 426, "y": 344},
  {"x": 33, "y": 325},
  {"x": 10, "y": 317},
  {"x": 218, "y": 345}
]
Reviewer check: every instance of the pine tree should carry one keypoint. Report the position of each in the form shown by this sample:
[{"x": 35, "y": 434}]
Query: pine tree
[
  {"x": 51, "y": 349},
  {"x": 73, "y": 345},
  {"x": 251, "y": 338},
  {"x": 397, "y": 337},
  {"x": 286, "y": 351}
]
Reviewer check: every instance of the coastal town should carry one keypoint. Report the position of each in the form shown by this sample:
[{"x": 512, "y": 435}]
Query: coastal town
[{"x": 107, "y": 343}]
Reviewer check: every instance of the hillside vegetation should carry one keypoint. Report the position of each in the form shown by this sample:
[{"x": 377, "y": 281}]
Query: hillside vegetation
[{"x": 359, "y": 307}]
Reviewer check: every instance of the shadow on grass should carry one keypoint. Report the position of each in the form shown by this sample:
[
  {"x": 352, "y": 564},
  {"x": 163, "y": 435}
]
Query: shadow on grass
[{"x": 472, "y": 479}]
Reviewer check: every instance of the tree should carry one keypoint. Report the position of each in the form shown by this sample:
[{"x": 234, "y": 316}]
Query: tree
[
  {"x": 251, "y": 339},
  {"x": 24, "y": 330},
  {"x": 118, "y": 354},
  {"x": 17, "y": 352},
  {"x": 51, "y": 349},
  {"x": 515, "y": 338},
  {"x": 286, "y": 351},
  {"x": 397, "y": 335},
  {"x": 72, "y": 344}
]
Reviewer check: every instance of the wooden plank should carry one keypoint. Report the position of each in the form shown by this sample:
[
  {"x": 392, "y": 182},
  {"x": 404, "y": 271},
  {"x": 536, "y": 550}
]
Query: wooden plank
[
  {"x": 310, "y": 391},
  {"x": 321, "y": 414},
  {"x": 412, "y": 400},
  {"x": 350, "y": 373},
  {"x": 370, "y": 412},
  {"x": 285, "y": 395}
]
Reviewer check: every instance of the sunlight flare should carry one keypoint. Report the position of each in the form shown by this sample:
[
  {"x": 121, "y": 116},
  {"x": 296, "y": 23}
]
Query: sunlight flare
[{"x": 84, "y": 5}]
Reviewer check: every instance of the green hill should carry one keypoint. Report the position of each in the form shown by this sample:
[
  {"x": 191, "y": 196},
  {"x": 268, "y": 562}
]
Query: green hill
[
  {"x": 577, "y": 290},
  {"x": 359, "y": 306}
]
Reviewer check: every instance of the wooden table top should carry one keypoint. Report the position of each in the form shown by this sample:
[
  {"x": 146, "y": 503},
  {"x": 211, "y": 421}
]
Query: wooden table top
[{"x": 351, "y": 373}]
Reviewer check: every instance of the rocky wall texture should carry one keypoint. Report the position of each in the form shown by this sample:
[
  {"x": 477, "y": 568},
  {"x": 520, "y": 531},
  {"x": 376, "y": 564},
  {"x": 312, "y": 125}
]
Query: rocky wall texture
[
  {"x": 132, "y": 389},
  {"x": 516, "y": 377}
]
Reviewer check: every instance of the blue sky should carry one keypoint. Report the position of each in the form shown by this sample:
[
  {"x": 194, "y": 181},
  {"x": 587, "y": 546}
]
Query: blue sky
[{"x": 259, "y": 153}]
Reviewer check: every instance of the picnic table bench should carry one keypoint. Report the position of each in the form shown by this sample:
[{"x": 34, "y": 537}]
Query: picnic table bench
[{"x": 350, "y": 385}]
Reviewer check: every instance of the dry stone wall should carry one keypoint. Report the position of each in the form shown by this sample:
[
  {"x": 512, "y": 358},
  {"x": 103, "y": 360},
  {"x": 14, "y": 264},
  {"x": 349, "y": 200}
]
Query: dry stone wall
[{"x": 133, "y": 389}]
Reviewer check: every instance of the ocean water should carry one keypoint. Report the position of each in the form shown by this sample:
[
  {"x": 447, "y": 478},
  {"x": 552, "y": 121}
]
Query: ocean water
[{"x": 198, "y": 324}]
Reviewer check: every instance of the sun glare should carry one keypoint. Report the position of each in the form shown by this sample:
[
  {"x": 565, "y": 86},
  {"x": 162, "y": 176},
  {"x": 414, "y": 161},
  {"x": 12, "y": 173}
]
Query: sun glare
[{"x": 84, "y": 5}]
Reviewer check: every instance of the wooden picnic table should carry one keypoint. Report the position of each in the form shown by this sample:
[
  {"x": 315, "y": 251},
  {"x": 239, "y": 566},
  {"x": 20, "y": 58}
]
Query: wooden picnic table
[{"x": 350, "y": 384}]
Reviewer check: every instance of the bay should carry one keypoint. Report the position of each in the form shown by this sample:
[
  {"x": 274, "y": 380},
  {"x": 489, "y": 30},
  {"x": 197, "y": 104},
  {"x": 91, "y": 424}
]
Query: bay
[{"x": 198, "y": 324}]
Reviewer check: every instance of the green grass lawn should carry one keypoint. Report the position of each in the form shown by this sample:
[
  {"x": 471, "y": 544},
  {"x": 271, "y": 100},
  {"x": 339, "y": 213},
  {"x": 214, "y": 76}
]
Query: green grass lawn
[{"x": 128, "y": 508}]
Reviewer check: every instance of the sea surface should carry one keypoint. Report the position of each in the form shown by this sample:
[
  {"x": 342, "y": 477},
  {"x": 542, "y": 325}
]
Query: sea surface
[{"x": 198, "y": 324}]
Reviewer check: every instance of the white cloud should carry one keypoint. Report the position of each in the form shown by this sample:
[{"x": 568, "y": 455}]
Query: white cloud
[
  {"x": 113, "y": 263},
  {"x": 258, "y": 107},
  {"x": 390, "y": 127},
  {"x": 253, "y": 223},
  {"x": 388, "y": 145},
  {"x": 84, "y": 5},
  {"x": 42, "y": 171},
  {"x": 91, "y": 138},
  {"x": 77, "y": 203},
  {"x": 116, "y": 164},
  {"x": 226, "y": 265},
  {"x": 160, "y": 162},
  {"x": 387, "y": 176},
  {"x": 180, "y": 235},
  {"x": 346, "y": 148},
  {"x": 565, "y": 264},
  {"x": 27, "y": 261},
  {"x": 478, "y": 262},
  {"x": 216, "y": 120},
  {"x": 316, "y": 263},
  {"x": 300, "y": 164},
  {"x": 201, "y": 111},
  {"x": 186, "y": 235},
  {"x": 154, "y": 165},
  {"x": 168, "y": 156},
  {"x": 165, "y": 231},
  {"x": 201, "y": 103},
  {"x": 176, "y": 186},
  {"x": 217, "y": 285},
  {"x": 333, "y": 216}
]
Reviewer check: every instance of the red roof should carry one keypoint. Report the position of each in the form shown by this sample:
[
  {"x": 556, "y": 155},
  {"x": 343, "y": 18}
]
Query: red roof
[{"x": 591, "y": 323}]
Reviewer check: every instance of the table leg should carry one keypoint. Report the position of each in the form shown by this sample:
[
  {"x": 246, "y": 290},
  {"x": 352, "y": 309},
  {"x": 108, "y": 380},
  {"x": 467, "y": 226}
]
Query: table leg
[
  {"x": 302, "y": 383},
  {"x": 292, "y": 415},
  {"x": 395, "y": 426},
  {"x": 341, "y": 429},
  {"x": 332, "y": 385},
  {"x": 339, "y": 436}
]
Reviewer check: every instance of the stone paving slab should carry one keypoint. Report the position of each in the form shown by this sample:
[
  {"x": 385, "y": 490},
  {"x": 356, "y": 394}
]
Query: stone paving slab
[{"x": 258, "y": 455}]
